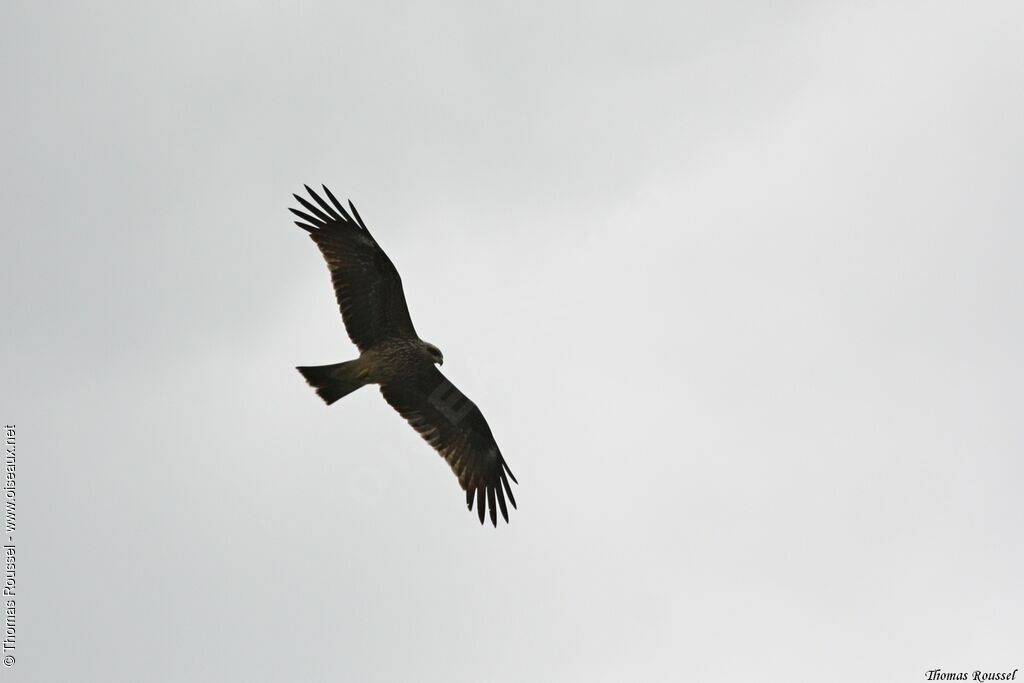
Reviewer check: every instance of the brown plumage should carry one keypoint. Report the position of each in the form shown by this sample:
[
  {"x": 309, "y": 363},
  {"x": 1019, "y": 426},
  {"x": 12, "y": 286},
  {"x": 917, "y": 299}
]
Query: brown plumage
[{"x": 372, "y": 301}]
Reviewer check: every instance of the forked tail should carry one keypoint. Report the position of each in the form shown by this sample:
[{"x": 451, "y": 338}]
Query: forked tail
[{"x": 334, "y": 381}]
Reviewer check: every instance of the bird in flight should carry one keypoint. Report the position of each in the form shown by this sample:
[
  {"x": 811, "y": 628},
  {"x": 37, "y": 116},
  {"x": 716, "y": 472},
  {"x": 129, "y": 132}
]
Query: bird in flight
[{"x": 391, "y": 354}]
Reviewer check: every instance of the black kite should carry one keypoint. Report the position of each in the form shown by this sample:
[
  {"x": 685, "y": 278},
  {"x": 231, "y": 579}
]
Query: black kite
[{"x": 369, "y": 292}]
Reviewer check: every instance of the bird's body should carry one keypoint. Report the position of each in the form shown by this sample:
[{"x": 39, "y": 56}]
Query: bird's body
[
  {"x": 372, "y": 301},
  {"x": 391, "y": 360}
]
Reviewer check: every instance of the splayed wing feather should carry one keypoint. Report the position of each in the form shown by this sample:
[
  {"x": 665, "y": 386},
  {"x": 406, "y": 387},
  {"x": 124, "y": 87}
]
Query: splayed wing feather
[
  {"x": 317, "y": 212},
  {"x": 323, "y": 205},
  {"x": 359, "y": 219},
  {"x": 334, "y": 200},
  {"x": 306, "y": 217},
  {"x": 501, "y": 502}
]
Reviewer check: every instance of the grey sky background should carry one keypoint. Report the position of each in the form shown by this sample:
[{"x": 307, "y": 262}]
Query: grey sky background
[{"x": 737, "y": 285}]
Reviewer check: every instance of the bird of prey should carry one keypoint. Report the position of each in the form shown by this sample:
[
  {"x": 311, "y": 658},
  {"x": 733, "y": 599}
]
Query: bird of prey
[{"x": 372, "y": 302}]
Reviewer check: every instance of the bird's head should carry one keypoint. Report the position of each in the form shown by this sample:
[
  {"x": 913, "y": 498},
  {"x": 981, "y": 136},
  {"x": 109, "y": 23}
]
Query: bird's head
[{"x": 434, "y": 353}]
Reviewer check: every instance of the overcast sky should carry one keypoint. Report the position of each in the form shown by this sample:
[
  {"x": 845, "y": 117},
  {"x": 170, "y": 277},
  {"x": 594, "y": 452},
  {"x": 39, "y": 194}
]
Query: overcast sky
[{"x": 737, "y": 285}]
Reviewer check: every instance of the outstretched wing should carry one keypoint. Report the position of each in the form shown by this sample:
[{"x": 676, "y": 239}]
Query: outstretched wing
[
  {"x": 456, "y": 428},
  {"x": 366, "y": 283}
]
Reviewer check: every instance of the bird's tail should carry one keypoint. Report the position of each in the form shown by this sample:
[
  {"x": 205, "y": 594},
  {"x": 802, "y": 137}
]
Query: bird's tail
[{"x": 334, "y": 381}]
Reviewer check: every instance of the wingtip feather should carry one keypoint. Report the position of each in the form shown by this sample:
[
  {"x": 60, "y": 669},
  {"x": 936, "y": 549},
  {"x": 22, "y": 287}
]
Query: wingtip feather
[
  {"x": 306, "y": 217},
  {"x": 508, "y": 490},
  {"x": 359, "y": 219},
  {"x": 334, "y": 200},
  {"x": 505, "y": 466},
  {"x": 323, "y": 205},
  {"x": 501, "y": 502},
  {"x": 323, "y": 217}
]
